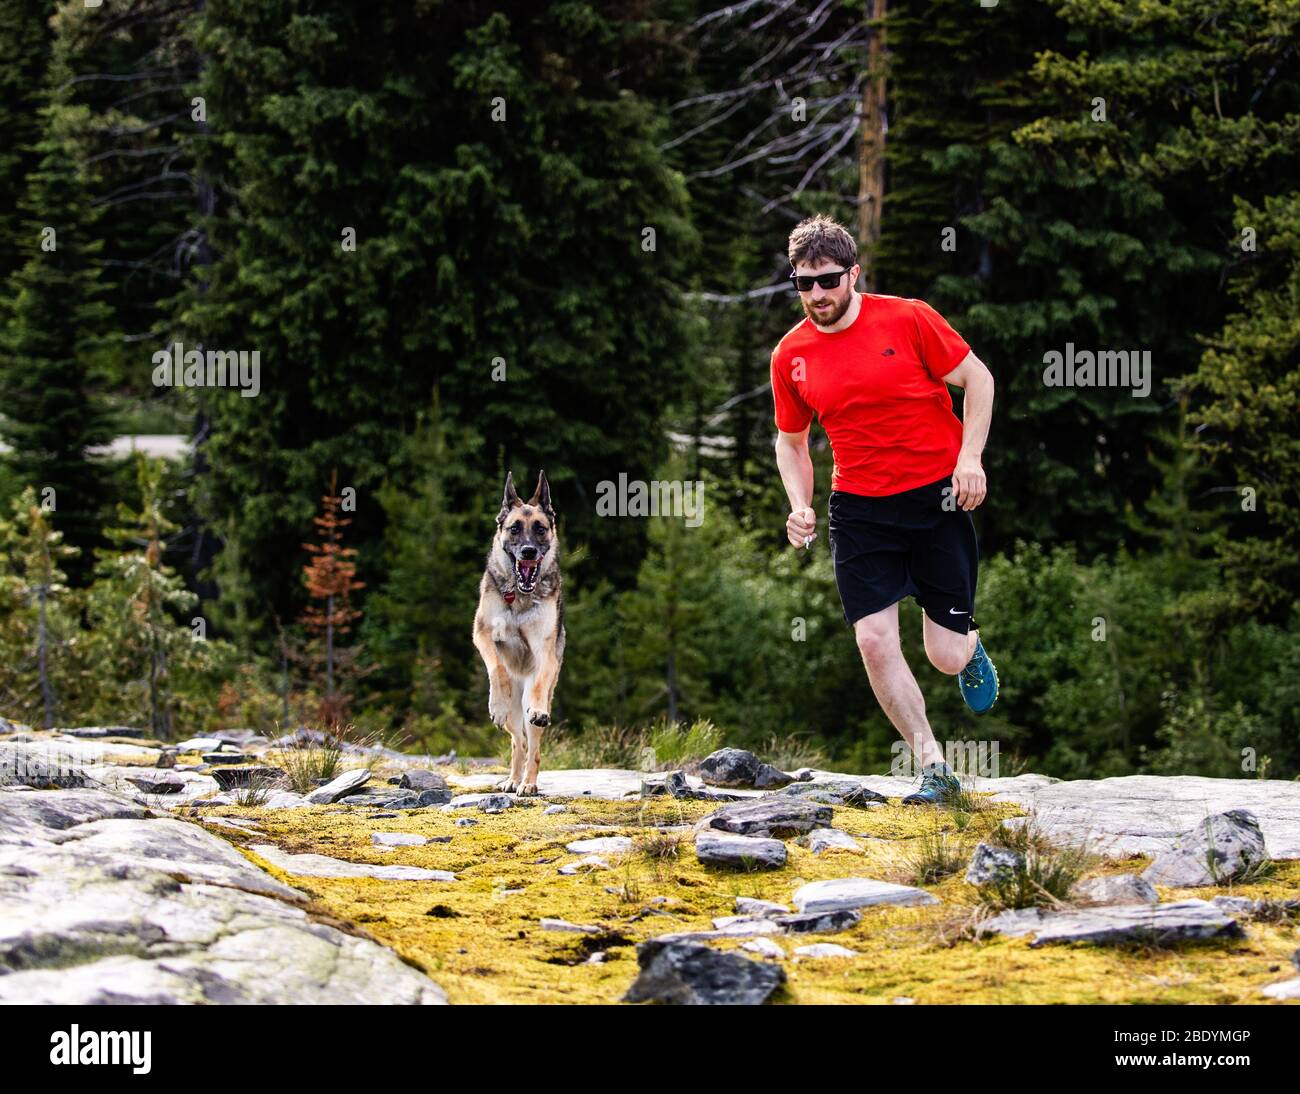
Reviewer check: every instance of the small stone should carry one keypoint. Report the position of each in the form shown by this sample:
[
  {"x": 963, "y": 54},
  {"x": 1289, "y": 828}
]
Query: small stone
[
  {"x": 604, "y": 845},
  {"x": 748, "y": 905},
  {"x": 1115, "y": 889},
  {"x": 820, "y": 840},
  {"x": 572, "y": 928},
  {"x": 156, "y": 784},
  {"x": 465, "y": 822},
  {"x": 824, "y": 949},
  {"x": 585, "y": 865},
  {"x": 227, "y": 758},
  {"x": 1286, "y": 989},
  {"x": 397, "y": 839},
  {"x": 991, "y": 865},
  {"x": 763, "y": 946},
  {"x": 690, "y": 973},
  {"x": 837, "y": 919},
  {"x": 550, "y": 810},
  {"x": 597, "y": 958},
  {"x": 903, "y": 1001}
]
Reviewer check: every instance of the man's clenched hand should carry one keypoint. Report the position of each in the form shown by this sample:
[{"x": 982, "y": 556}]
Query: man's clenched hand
[{"x": 801, "y": 527}]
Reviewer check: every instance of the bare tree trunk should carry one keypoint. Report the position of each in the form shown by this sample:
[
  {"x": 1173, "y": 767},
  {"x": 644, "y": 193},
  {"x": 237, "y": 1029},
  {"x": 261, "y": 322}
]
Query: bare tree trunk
[
  {"x": 871, "y": 148},
  {"x": 47, "y": 692}
]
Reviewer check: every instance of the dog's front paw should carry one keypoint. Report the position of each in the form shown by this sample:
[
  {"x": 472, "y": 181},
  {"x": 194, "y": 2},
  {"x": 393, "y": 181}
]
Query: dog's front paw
[
  {"x": 526, "y": 789},
  {"x": 498, "y": 707},
  {"x": 506, "y": 785},
  {"x": 538, "y": 717}
]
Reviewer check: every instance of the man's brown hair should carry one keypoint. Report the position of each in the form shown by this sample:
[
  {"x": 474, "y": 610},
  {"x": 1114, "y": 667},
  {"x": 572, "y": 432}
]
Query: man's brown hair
[{"x": 821, "y": 239}]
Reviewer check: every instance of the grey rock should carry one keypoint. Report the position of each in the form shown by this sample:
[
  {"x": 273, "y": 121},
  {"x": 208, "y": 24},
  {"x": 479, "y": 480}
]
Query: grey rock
[
  {"x": 228, "y": 758},
  {"x": 488, "y": 803},
  {"x": 419, "y": 778},
  {"x": 104, "y": 731},
  {"x": 199, "y": 744},
  {"x": 821, "y": 840},
  {"x": 824, "y": 949},
  {"x": 728, "y": 927},
  {"x": 991, "y": 865},
  {"x": 823, "y": 922},
  {"x": 156, "y": 784},
  {"x": 570, "y": 928},
  {"x": 848, "y": 893},
  {"x": 397, "y": 839},
  {"x": 465, "y": 822},
  {"x": 1115, "y": 889},
  {"x": 773, "y": 817},
  {"x": 688, "y": 973},
  {"x": 550, "y": 810},
  {"x": 748, "y": 905},
  {"x": 737, "y": 768},
  {"x": 1218, "y": 850},
  {"x": 765, "y": 947},
  {"x": 166, "y": 759},
  {"x": 253, "y": 775},
  {"x": 324, "y": 866},
  {"x": 1165, "y": 923},
  {"x": 734, "y": 852},
  {"x": 340, "y": 787},
  {"x": 48, "y": 816},
  {"x": 842, "y": 792}
]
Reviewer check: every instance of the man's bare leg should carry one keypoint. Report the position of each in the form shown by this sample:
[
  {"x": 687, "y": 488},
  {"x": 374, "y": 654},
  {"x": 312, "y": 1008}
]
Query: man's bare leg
[
  {"x": 949, "y": 651},
  {"x": 892, "y": 681}
]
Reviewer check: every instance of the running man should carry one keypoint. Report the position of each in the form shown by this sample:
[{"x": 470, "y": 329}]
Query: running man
[{"x": 906, "y": 474}]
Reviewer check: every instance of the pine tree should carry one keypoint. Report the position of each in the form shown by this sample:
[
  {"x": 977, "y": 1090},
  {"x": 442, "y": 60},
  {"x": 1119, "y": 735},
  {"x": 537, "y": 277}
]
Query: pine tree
[
  {"x": 56, "y": 332},
  {"x": 39, "y": 616},
  {"x": 331, "y": 580},
  {"x": 160, "y": 665}
]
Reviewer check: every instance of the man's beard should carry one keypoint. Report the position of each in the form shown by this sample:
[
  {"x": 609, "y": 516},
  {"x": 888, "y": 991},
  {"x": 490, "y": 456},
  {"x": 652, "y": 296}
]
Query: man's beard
[{"x": 828, "y": 317}]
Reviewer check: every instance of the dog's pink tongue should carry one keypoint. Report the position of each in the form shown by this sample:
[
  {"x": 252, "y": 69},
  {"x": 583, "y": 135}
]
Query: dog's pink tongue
[{"x": 526, "y": 570}]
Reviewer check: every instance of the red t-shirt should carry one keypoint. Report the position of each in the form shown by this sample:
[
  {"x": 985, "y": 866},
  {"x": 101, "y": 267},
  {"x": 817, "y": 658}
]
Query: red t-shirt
[{"x": 876, "y": 388}]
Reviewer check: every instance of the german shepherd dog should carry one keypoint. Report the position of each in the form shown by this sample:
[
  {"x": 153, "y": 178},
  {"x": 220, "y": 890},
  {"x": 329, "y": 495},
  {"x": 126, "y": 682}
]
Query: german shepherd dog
[{"x": 519, "y": 627}]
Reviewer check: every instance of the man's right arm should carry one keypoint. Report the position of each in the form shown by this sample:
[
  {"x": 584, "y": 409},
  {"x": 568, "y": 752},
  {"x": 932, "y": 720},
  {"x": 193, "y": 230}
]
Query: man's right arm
[{"x": 795, "y": 464}]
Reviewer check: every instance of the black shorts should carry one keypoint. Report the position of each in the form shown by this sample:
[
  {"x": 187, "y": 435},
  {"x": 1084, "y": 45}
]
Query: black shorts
[{"x": 901, "y": 545}]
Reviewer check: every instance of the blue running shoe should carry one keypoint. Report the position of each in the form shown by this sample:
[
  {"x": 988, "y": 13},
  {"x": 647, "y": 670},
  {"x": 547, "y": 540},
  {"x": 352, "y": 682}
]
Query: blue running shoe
[
  {"x": 938, "y": 786},
  {"x": 978, "y": 681}
]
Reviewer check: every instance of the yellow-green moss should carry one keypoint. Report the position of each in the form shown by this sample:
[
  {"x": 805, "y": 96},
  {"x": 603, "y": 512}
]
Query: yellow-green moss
[{"x": 484, "y": 946}]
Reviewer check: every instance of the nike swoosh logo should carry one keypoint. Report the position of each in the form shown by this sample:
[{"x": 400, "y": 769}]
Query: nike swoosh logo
[
  {"x": 954, "y": 611},
  {"x": 887, "y": 353}
]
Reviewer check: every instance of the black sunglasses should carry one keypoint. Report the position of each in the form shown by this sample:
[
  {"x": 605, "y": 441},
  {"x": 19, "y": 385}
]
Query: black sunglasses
[{"x": 827, "y": 280}]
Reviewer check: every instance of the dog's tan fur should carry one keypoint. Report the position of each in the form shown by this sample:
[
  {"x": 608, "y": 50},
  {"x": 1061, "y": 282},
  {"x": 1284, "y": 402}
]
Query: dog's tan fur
[{"x": 520, "y": 634}]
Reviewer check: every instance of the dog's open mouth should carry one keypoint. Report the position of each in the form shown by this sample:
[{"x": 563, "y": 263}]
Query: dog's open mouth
[{"x": 526, "y": 573}]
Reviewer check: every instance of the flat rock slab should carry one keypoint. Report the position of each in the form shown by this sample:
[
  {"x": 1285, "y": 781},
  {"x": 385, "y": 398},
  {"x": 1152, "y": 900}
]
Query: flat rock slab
[
  {"x": 1186, "y": 920},
  {"x": 101, "y": 905},
  {"x": 847, "y": 893},
  {"x": 723, "y": 849},
  {"x": 33, "y": 817},
  {"x": 1115, "y": 889},
  {"x": 398, "y": 839},
  {"x": 773, "y": 817},
  {"x": 1146, "y": 814},
  {"x": 339, "y": 787},
  {"x": 821, "y": 840},
  {"x": 324, "y": 866}
]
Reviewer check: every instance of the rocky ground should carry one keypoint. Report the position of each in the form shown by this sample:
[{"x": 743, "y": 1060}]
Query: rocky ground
[{"x": 132, "y": 871}]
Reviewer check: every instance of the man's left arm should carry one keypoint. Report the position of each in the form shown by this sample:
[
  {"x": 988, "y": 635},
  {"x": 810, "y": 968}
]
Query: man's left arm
[{"x": 969, "y": 484}]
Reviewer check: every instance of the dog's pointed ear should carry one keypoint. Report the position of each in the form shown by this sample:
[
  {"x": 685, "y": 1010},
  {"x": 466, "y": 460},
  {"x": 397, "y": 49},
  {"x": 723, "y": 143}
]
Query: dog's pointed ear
[
  {"x": 542, "y": 497},
  {"x": 509, "y": 499}
]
